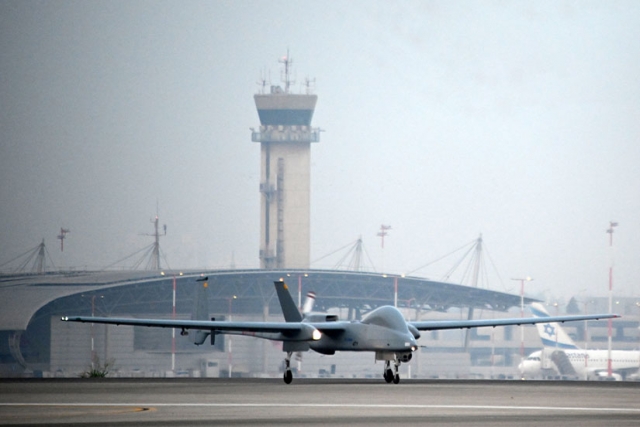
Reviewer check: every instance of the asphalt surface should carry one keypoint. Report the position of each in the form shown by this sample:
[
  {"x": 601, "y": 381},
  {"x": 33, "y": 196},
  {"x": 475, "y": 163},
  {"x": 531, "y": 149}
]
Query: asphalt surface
[{"x": 248, "y": 402}]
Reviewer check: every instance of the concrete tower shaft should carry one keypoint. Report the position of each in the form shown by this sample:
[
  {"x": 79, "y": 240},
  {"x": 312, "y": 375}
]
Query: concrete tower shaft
[{"x": 285, "y": 136}]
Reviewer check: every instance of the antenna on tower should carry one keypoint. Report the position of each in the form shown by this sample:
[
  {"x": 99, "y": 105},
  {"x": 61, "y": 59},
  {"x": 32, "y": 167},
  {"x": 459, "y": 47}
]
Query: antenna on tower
[
  {"x": 309, "y": 84},
  {"x": 286, "y": 73},
  {"x": 265, "y": 80}
]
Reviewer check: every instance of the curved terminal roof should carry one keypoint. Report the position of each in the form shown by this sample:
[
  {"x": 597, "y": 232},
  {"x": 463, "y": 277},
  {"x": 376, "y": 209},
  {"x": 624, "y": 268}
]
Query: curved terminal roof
[
  {"x": 24, "y": 294},
  {"x": 21, "y": 296}
]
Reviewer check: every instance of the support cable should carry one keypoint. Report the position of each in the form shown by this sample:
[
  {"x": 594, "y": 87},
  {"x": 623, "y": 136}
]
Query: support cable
[
  {"x": 127, "y": 257},
  {"x": 442, "y": 257}
]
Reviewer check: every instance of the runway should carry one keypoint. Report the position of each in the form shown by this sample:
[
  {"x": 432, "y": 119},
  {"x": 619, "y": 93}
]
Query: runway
[{"x": 249, "y": 402}]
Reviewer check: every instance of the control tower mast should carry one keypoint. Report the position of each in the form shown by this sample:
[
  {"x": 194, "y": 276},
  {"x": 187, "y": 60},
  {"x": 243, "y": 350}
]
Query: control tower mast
[{"x": 285, "y": 138}]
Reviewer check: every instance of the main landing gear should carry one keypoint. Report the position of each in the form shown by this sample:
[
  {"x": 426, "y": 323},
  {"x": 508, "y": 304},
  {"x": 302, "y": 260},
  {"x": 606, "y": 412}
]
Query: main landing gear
[
  {"x": 288, "y": 376},
  {"x": 389, "y": 374}
]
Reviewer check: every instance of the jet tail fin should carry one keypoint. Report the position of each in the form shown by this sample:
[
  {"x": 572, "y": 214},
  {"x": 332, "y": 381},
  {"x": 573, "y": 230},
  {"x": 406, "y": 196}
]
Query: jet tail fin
[
  {"x": 551, "y": 334},
  {"x": 201, "y": 312},
  {"x": 289, "y": 309}
]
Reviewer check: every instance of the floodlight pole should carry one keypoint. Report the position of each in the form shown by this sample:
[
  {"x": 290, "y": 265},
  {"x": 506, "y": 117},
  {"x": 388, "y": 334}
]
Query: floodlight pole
[
  {"x": 93, "y": 349},
  {"x": 638, "y": 305},
  {"x": 526, "y": 279},
  {"x": 556, "y": 305},
  {"x": 230, "y": 353},
  {"x": 381, "y": 234},
  {"x": 395, "y": 291},
  {"x": 612, "y": 224},
  {"x": 173, "y": 330}
]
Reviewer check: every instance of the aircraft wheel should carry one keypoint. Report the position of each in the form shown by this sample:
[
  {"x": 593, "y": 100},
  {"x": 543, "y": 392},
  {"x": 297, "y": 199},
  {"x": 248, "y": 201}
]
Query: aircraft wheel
[
  {"x": 288, "y": 377},
  {"x": 388, "y": 375},
  {"x": 396, "y": 379}
]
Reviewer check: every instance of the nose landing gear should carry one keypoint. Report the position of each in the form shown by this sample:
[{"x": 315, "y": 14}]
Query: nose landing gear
[
  {"x": 389, "y": 375},
  {"x": 288, "y": 376}
]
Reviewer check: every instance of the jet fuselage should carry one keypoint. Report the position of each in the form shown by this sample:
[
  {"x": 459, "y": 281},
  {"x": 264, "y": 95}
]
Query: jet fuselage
[{"x": 384, "y": 329}]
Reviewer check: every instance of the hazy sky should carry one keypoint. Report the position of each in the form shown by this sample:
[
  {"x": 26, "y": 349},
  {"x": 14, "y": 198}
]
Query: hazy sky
[{"x": 519, "y": 120}]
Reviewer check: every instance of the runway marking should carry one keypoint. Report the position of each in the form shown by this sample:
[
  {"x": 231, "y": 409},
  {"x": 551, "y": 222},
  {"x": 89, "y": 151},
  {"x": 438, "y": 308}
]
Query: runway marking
[{"x": 147, "y": 406}]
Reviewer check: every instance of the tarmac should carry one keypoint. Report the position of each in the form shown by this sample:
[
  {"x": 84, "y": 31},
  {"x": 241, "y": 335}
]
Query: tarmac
[{"x": 336, "y": 402}]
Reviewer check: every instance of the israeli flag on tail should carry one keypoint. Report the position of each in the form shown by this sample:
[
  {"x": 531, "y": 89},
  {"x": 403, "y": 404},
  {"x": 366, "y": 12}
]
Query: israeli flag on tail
[{"x": 551, "y": 334}]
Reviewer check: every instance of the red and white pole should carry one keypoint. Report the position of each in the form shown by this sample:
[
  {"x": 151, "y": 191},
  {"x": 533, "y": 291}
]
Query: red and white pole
[
  {"x": 93, "y": 349},
  {"x": 173, "y": 330},
  {"x": 230, "y": 353},
  {"x": 395, "y": 292},
  {"x": 521, "y": 316},
  {"x": 522, "y": 280}
]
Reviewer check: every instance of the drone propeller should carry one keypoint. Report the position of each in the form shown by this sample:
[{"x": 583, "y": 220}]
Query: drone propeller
[{"x": 308, "y": 303}]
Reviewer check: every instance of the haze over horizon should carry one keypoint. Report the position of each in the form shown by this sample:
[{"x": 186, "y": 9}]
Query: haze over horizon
[{"x": 516, "y": 120}]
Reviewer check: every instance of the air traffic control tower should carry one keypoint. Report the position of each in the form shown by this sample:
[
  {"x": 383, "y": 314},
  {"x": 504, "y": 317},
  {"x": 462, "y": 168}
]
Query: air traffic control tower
[{"x": 285, "y": 138}]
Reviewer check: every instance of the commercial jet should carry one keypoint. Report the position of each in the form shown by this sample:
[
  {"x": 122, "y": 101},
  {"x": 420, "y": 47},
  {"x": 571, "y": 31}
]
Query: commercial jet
[
  {"x": 562, "y": 357},
  {"x": 383, "y": 331}
]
